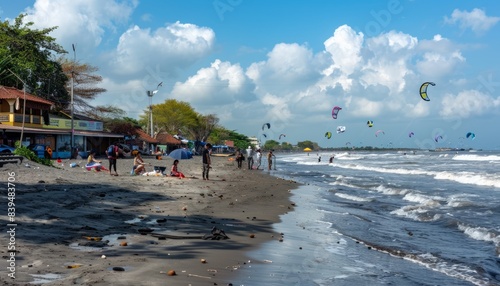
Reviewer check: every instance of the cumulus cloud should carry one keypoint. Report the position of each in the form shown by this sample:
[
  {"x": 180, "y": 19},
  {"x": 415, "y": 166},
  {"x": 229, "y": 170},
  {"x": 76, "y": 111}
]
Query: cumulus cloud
[
  {"x": 288, "y": 67},
  {"x": 440, "y": 57},
  {"x": 467, "y": 103},
  {"x": 389, "y": 58},
  {"x": 476, "y": 20},
  {"x": 176, "y": 46},
  {"x": 83, "y": 22},
  {"x": 344, "y": 48},
  {"x": 221, "y": 83}
]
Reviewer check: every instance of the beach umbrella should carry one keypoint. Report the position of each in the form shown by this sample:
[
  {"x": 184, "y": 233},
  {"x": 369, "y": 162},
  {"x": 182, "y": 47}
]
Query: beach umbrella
[
  {"x": 307, "y": 149},
  {"x": 180, "y": 154}
]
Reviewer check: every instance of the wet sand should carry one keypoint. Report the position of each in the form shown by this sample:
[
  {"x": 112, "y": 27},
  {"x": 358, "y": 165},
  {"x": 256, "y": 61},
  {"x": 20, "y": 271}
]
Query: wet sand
[{"x": 76, "y": 227}]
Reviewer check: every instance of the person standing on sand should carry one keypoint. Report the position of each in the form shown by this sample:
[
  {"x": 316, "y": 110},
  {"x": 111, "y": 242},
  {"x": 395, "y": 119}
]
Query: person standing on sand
[
  {"x": 270, "y": 156},
  {"x": 112, "y": 156},
  {"x": 239, "y": 157},
  {"x": 250, "y": 157},
  {"x": 258, "y": 158},
  {"x": 206, "y": 160}
]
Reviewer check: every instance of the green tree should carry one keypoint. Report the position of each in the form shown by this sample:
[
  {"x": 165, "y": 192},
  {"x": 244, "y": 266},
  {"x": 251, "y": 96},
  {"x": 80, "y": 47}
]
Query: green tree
[
  {"x": 220, "y": 134},
  {"x": 271, "y": 145},
  {"x": 307, "y": 144},
  {"x": 172, "y": 116},
  {"x": 204, "y": 126},
  {"x": 30, "y": 53},
  {"x": 286, "y": 146}
]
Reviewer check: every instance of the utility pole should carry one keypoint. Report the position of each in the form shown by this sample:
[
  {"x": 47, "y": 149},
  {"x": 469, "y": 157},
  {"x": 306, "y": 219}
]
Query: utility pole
[
  {"x": 72, "y": 142},
  {"x": 24, "y": 106},
  {"x": 150, "y": 94}
]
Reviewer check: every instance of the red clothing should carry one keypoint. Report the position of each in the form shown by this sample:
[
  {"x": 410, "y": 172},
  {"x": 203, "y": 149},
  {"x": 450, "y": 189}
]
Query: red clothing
[{"x": 175, "y": 172}]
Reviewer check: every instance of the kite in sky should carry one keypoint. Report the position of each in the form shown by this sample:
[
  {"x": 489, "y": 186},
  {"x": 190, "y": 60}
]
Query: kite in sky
[
  {"x": 423, "y": 90},
  {"x": 340, "y": 129},
  {"x": 369, "y": 123},
  {"x": 378, "y": 132},
  {"x": 470, "y": 135},
  {"x": 281, "y": 135},
  {"x": 328, "y": 135},
  {"x": 266, "y": 124},
  {"x": 411, "y": 134},
  {"x": 335, "y": 111},
  {"x": 437, "y": 138}
]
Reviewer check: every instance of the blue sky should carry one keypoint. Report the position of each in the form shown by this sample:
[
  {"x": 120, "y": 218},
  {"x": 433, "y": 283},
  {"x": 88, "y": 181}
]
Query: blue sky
[{"x": 290, "y": 62}]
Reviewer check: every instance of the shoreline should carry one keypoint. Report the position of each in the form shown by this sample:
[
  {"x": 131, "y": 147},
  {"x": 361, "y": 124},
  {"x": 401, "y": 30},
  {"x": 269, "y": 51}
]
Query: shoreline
[{"x": 59, "y": 210}]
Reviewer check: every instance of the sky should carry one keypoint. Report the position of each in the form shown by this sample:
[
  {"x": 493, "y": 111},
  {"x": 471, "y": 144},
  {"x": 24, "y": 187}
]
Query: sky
[{"x": 289, "y": 62}]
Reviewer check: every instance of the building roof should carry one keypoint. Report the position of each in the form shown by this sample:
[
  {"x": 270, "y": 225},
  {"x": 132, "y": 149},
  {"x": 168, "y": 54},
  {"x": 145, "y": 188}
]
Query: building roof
[
  {"x": 165, "y": 138},
  {"x": 143, "y": 136},
  {"x": 13, "y": 93}
]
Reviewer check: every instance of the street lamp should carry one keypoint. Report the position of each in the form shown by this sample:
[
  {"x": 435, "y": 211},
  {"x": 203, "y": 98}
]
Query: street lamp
[
  {"x": 150, "y": 94},
  {"x": 72, "y": 142}
]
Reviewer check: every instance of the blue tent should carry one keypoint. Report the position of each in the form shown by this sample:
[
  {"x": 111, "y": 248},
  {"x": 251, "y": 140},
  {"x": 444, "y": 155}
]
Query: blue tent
[{"x": 180, "y": 154}]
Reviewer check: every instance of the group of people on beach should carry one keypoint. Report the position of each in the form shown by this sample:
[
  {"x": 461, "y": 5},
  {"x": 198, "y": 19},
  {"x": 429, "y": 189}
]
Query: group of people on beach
[
  {"x": 253, "y": 158},
  {"x": 139, "y": 165}
]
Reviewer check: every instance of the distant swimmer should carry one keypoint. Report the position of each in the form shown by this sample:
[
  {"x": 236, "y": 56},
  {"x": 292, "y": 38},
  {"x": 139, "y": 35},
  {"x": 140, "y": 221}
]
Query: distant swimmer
[
  {"x": 319, "y": 159},
  {"x": 331, "y": 159}
]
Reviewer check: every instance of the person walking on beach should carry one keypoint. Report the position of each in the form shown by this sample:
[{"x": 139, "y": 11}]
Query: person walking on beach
[
  {"x": 239, "y": 157},
  {"x": 270, "y": 156},
  {"x": 250, "y": 157},
  {"x": 258, "y": 158},
  {"x": 206, "y": 160},
  {"x": 112, "y": 153}
]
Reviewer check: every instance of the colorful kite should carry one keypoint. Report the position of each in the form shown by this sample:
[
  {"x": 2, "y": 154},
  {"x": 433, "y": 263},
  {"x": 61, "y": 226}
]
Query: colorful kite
[
  {"x": 335, "y": 111},
  {"x": 340, "y": 129},
  {"x": 423, "y": 90}
]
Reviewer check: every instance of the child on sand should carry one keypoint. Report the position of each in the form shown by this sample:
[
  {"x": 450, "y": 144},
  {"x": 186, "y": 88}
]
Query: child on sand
[{"x": 174, "y": 171}]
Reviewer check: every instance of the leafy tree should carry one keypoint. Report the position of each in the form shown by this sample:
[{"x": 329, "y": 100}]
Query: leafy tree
[
  {"x": 219, "y": 134},
  {"x": 307, "y": 144},
  {"x": 271, "y": 145},
  {"x": 172, "y": 116},
  {"x": 204, "y": 126},
  {"x": 286, "y": 146},
  {"x": 30, "y": 53}
]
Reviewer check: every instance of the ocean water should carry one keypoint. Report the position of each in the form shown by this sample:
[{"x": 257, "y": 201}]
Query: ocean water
[{"x": 385, "y": 218}]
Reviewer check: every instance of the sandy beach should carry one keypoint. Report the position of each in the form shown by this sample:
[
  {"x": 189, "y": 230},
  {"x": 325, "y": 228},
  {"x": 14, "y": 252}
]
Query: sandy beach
[{"x": 78, "y": 227}]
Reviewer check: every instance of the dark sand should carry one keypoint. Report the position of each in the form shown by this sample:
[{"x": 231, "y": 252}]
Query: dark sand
[{"x": 57, "y": 210}]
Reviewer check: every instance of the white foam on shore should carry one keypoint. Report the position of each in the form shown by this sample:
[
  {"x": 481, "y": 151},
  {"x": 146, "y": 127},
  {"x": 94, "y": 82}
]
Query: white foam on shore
[
  {"x": 417, "y": 213},
  {"x": 45, "y": 278},
  {"x": 353, "y": 198},
  {"x": 474, "y": 157},
  {"x": 480, "y": 233}
]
